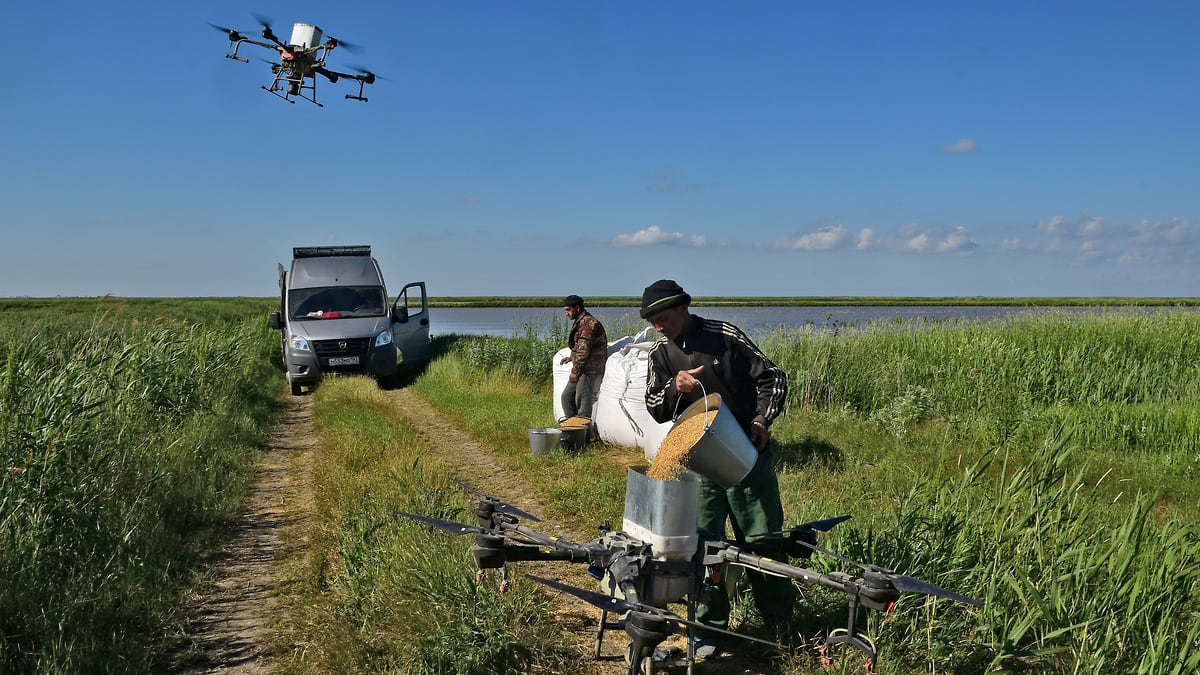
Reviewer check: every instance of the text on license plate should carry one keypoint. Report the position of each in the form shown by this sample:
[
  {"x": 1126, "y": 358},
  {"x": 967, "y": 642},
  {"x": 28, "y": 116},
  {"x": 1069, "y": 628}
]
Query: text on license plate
[{"x": 344, "y": 361}]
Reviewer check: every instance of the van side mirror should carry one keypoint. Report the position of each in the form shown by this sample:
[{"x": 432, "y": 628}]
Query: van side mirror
[
  {"x": 276, "y": 322},
  {"x": 399, "y": 314}
]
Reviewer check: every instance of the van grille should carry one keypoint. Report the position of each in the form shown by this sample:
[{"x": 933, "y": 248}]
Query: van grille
[{"x": 343, "y": 347}]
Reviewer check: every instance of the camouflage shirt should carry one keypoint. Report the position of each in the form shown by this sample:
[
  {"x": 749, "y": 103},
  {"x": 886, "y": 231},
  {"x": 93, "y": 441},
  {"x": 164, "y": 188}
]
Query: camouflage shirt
[{"x": 588, "y": 343}]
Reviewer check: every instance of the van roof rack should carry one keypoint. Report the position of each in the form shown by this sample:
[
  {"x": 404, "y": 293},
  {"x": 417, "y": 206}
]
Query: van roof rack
[{"x": 329, "y": 251}]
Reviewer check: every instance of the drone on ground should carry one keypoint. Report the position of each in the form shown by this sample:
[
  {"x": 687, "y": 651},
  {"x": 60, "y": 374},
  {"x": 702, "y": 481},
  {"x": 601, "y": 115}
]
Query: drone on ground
[
  {"x": 637, "y": 585},
  {"x": 301, "y": 59}
]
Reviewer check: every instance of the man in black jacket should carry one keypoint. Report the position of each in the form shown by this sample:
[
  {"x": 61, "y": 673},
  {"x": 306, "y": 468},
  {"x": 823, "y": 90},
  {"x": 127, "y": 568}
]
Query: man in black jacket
[{"x": 695, "y": 351}]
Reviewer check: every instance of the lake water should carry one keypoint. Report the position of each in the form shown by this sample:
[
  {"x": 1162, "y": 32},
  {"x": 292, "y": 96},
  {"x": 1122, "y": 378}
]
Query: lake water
[{"x": 756, "y": 321}]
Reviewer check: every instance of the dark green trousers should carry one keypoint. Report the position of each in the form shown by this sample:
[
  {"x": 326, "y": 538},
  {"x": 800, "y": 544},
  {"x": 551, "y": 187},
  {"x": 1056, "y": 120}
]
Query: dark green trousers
[{"x": 753, "y": 507}]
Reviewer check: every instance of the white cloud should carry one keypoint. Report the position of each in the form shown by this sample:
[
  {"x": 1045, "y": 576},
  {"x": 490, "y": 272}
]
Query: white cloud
[
  {"x": 912, "y": 238},
  {"x": 866, "y": 239},
  {"x": 655, "y": 236},
  {"x": 961, "y": 145},
  {"x": 1095, "y": 241},
  {"x": 824, "y": 239},
  {"x": 956, "y": 242},
  {"x": 918, "y": 243}
]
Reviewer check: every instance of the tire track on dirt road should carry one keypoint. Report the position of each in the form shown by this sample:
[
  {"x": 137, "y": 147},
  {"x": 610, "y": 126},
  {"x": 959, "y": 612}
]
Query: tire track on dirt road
[{"x": 229, "y": 618}]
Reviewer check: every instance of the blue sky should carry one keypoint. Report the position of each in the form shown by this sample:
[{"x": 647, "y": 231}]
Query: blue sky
[{"x": 545, "y": 148}]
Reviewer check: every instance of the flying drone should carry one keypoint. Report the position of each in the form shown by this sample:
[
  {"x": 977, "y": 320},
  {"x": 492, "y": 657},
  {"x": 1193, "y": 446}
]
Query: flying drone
[
  {"x": 637, "y": 582},
  {"x": 301, "y": 59}
]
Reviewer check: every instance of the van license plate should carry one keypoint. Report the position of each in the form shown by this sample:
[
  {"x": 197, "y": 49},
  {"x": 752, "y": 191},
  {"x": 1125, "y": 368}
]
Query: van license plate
[{"x": 344, "y": 361}]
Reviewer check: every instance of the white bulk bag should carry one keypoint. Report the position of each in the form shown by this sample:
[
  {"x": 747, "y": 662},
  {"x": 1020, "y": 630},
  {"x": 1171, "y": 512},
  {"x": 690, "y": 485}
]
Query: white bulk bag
[
  {"x": 620, "y": 413},
  {"x": 562, "y": 371}
]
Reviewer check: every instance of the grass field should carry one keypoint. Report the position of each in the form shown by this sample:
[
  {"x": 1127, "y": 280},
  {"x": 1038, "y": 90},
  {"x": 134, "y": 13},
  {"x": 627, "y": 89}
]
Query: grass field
[
  {"x": 1045, "y": 465},
  {"x": 128, "y": 434}
]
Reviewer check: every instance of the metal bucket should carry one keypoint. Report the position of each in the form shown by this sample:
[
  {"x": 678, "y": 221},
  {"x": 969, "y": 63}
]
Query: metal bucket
[
  {"x": 723, "y": 453},
  {"x": 542, "y": 441},
  {"x": 574, "y": 434}
]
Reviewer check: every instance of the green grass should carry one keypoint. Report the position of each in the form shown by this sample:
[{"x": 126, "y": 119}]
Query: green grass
[
  {"x": 127, "y": 439},
  {"x": 1045, "y": 465},
  {"x": 377, "y": 593}
]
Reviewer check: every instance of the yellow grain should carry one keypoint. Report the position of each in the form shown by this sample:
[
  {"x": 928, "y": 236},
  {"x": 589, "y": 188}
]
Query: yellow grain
[{"x": 675, "y": 451}]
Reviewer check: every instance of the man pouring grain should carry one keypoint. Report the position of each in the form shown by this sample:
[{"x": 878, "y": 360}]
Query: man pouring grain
[
  {"x": 696, "y": 355},
  {"x": 589, "y": 352}
]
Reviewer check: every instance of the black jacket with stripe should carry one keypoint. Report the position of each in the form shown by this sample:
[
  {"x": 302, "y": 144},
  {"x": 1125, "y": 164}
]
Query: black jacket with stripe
[{"x": 751, "y": 387}]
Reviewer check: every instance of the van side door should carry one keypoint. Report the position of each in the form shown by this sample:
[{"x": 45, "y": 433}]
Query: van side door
[{"x": 410, "y": 324}]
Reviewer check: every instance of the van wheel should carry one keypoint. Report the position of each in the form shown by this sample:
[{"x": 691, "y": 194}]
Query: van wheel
[{"x": 295, "y": 385}]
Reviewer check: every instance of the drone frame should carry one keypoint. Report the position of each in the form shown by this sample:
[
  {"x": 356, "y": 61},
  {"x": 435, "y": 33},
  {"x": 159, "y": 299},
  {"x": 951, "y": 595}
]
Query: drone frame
[
  {"x": 291, "y": 79},
  {"x": 500, "y": 539}
]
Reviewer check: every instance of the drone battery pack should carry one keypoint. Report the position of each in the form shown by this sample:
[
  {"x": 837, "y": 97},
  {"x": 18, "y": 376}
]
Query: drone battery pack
[{"x": 663, "y": 513}]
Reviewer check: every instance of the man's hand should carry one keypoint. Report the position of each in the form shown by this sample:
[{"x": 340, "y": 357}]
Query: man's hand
[
  {"x": 685, "y": 380},
  {"x": 759, "y": 436},
  {"x": 565, "y": 361},
  {"x": 574, "y": 377}
]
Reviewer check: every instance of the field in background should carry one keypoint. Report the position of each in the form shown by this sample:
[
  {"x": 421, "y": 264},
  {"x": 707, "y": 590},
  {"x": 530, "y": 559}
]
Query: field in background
[
  {"x": 1045, "y": 465},
  {"x": 128, "y": 435}
]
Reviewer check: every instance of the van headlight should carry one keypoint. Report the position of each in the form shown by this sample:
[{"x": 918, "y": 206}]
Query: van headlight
[
  {"x": 384, "y": 338},
  {"x": 298, "y": 343}
]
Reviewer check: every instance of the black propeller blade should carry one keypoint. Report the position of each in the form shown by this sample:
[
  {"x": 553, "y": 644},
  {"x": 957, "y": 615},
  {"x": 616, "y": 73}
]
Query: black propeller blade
[
  {"x": 266, "y": 28},
  {"x": 333, "y": 43},
  {"x": 234, "y": 35},
  {"x": 902, "y": 582},
  {"x": 368, "y": 76},
  {"x": 446, "y": 525},
  {"x": 500, "y": 506}
]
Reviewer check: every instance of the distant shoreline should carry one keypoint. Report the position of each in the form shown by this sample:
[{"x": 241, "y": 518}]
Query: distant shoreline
[
  {"x": 824, "y": 301},
  {"x": 699, "y": 301}
]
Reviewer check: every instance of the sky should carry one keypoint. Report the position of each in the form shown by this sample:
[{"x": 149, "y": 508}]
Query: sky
[{"x": 538, "y": 147}]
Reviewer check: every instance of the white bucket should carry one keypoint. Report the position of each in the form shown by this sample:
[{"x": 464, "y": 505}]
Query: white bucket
[
  {"x": 723, "y": 453},
  {"x": 542, "y": 441}
]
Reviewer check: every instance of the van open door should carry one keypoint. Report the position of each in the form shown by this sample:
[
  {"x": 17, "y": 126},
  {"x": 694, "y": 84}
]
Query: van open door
[{"x": 410, "y": 324}]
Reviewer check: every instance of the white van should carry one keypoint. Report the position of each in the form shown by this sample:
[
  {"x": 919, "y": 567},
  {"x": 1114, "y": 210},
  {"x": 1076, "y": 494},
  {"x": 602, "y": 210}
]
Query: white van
[{"x": 334, "y": 317}]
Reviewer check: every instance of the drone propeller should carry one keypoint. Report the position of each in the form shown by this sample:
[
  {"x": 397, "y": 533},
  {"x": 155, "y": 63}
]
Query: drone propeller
[
  {"x": 266, "y": 28},
  {"x": 368, "y": 76},
  {"x": 499, "y": 505},
  {"x": 795, "y": 541},
  {"x": 446, "y": 525},
  {"x": 234, "y": 35},
  {"x": 820, "y": 525},
  {"x": 332, "y": 43},
  {"x": 902, "y": 582}
]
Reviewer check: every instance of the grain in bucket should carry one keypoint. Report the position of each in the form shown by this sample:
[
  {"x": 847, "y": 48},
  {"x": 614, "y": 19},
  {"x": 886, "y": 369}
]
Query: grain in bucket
[{"x": 708, "y": 440}]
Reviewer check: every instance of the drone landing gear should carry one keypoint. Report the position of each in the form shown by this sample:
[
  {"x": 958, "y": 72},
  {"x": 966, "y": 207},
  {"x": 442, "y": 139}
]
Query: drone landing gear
[
  {"x": 360, "y": 96},
  {"x": 850, "y": 637},
  {"x": 291, "y": 86}
]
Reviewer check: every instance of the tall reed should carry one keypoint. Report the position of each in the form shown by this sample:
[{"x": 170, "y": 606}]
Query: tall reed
[{"x": 122, "y": 444}]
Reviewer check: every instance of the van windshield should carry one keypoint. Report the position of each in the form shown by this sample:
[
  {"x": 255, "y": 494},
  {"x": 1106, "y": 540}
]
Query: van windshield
[{"x": 336, "y": 302}]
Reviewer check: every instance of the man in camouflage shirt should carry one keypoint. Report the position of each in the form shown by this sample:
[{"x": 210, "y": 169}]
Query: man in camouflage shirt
[{"x": 589, "y": 351}]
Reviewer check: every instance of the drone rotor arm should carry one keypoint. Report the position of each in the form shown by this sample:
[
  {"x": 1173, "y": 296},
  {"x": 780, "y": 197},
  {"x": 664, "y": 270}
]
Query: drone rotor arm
[{"x": 609, "y": 603}]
